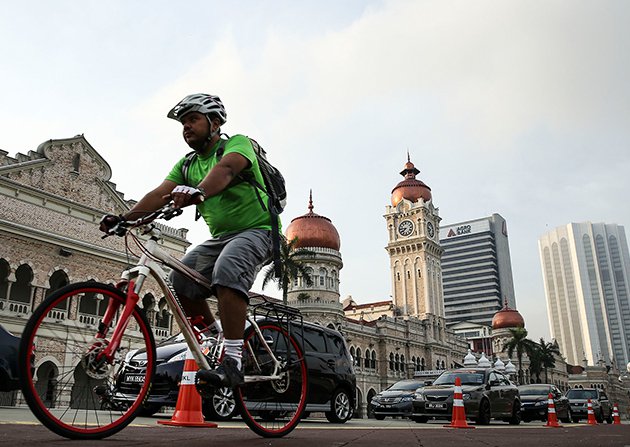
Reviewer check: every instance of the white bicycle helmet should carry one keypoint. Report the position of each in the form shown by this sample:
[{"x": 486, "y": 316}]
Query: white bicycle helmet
[{"x": 199, "y": 102}]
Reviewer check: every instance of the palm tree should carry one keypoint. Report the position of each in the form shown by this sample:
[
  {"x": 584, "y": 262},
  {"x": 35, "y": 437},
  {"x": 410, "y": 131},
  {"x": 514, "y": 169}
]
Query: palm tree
[
  {"x": 548, "y": 351},
  {"x": 291, "y": 267},
  {"x": 522, "y": 345},
  {"x": 535, "y": 363}
]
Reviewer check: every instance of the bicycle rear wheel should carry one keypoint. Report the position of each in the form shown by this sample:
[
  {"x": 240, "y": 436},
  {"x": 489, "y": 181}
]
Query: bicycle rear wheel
[
  {"x": 272, "y": 408},
  {"x": 75, "y": 392}
]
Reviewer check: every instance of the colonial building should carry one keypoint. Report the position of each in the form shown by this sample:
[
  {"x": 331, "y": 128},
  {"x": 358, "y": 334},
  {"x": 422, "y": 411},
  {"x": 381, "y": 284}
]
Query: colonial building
[
  {"x": 391, "y": 339},
  {"x": 52, "y": 201}
]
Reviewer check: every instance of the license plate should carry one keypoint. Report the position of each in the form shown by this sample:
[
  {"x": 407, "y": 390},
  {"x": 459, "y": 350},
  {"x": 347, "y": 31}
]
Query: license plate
[
  {"x": 436, "y": 406},
  {"x": 135, "y": 378}
]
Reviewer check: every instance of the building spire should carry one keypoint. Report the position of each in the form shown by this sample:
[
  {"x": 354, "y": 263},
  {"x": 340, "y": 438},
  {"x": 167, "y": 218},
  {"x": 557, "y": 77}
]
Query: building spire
[{"x": 310, "y": 201}]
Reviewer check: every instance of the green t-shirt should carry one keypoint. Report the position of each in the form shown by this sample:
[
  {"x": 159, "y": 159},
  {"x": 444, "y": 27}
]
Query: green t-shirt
[{"x": 237, "y": 207}]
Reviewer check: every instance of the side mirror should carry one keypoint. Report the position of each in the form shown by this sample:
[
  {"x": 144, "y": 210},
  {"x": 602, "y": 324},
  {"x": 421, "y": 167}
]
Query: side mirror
[{"x": 428, "y": 382}]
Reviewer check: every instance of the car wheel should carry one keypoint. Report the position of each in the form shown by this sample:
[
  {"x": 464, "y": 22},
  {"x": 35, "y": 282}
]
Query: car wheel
[
  {"x": 526, "y": 420},
  {"x": 420, "y": 419},
  {"x": 379, "y": 417},
  {"x": 484, "y": 413},
  {"x": 609, "y": 419},
  {"x": 516, "y": 413},
  {"x": 600, "y": 416},
  {"x": 341, "y": 407},
  {"x": 221, "y": 406},
  {"x": 148, "y": 410},
  {"x": 568, "y": 418},
  {"x": 575, "y": 420}
]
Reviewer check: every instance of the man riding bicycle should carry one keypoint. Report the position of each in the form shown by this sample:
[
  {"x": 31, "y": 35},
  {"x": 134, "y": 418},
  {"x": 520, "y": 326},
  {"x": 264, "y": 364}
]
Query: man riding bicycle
[{"x": 240, "y": 227}]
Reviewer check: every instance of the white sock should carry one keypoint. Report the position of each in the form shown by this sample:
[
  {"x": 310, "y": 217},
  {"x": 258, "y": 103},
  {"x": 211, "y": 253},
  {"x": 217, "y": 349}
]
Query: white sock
[{"x": 234, "y": 349}]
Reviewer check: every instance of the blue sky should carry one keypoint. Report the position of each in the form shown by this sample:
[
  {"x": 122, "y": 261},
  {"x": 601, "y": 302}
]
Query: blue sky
[{"x": 519, "y": 107}]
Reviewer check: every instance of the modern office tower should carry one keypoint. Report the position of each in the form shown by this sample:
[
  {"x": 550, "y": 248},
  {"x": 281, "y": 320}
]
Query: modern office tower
[
  {"x": 476, "y": 270},
  {"x": 586, "y": 270}
]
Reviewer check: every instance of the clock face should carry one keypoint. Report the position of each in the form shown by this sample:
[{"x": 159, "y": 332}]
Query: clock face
[
  {"x": 405, "y": 228},
  {"x": 430, "y": 229}
]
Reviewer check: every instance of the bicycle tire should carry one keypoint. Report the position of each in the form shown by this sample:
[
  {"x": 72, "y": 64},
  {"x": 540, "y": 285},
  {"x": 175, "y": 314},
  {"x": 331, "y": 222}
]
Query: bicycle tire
[
  {"x": 61, "y": 337},
  {"x": 272, "y": 408}
]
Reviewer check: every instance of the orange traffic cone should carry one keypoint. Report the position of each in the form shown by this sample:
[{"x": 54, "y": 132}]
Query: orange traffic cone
[
  {"x": 552, "y": 418},
  {"x": 591, "y": 414},
  {"x": 458, "y": 419},
  {"x": 188, "y": 408},
  {"x": 615, "y": 415}
]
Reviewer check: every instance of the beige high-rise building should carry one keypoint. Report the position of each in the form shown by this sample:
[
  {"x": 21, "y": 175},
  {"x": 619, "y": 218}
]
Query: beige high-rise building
[{"x": 586, "y": 273}]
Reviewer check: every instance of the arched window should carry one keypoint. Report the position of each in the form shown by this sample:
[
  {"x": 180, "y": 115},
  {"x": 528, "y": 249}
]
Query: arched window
[
  {"x": 373, "y": 362},
  {"x": 402, "y": 363},
  {"x": 309, "y": 272},
  {"x": 391, "y": 361},
  {"x": 76, "y": 163},
  {"x": 57, "y": 280},
  {"x": 397, "y": 363},
  {"x": 91, "y": 307},
  {"x": 422, "y": 364},
  {"x": 358, "y": 362},
  {"x": 21, "y": 290},
  {"x": 353, "y": 354},
  {"x": 322, "y": 276}
]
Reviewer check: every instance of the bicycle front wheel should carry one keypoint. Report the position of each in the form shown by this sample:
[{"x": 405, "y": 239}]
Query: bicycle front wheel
[
  {"x": 272, "y": 407},
  {"x": 71, "y": 388}
]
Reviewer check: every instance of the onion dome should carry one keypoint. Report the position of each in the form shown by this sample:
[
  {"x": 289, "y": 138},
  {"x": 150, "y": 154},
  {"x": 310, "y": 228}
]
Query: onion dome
[
  {"x": 313, "y": 230},
  {"x": 483, "y": 361},
  {"x": 510, "y": 368},
  {"x": 410, "y": 188},
  {"x": 507, "y": 318},
  {"x": 499, "y": 365},
  {"x": 470, "y": 359}
]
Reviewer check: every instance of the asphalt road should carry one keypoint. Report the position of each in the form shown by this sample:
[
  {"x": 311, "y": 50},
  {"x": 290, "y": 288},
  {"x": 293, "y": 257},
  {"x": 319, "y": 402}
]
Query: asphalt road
[{"x": 18, "y": 427}]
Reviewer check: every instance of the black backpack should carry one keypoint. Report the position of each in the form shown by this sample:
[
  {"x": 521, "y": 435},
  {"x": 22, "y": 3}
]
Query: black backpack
[{"x": 274, "y": 187}]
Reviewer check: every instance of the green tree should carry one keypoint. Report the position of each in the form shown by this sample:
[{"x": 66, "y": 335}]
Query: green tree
[
  {"x": 522, "y": 345},
  {"x": 292, "y": 267}
]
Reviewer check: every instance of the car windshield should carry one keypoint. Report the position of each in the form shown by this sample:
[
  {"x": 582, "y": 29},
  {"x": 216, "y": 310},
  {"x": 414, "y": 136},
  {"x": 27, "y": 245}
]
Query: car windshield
[
  {"x": 405, "y": 386},
  {"x": 467, "y": 378},
  {"x": 582, "y": 394},
  {"x": 533, "y": 391}
]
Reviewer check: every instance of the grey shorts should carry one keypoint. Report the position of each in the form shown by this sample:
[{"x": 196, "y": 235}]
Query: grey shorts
[{"x": 230, "y": 261}]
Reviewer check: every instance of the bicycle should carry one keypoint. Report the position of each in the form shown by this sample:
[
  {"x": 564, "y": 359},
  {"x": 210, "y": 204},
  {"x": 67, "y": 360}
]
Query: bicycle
[{"x": 271, "y": 401}]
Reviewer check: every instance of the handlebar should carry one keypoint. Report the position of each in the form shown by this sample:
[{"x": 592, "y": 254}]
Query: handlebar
[{"x": 167, "y": 212}]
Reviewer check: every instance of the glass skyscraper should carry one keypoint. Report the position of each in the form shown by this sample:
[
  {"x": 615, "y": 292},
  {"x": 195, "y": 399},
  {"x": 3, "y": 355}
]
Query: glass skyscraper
[{"x": 586, "y": 269}]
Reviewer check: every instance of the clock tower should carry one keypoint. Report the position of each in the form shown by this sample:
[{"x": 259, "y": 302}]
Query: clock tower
[{"x": 415, "y": 254}]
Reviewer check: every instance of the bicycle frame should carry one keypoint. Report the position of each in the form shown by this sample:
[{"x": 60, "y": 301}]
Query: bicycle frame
[{"x": 150, "y": 263}]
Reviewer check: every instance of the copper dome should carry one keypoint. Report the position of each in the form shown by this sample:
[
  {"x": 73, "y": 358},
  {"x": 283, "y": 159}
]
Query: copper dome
[
  {"x": 410, "y": 188},
  {"x": 313, "y": 230},
  {"x": 507, "y": 318}
]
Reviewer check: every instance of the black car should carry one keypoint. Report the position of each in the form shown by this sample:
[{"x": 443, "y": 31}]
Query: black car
[
  {"x": 9, "y": 345},
  {"x": 331, "y": 379},
  {"x": 578, "y": 397},
  {"x": 535, "y": 402},
  {"x": 486, "y": 393},
  {"x": 396, "y": 400}
]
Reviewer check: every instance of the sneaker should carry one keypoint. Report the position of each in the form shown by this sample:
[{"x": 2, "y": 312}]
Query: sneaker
[{"x": 226, "y": 374}]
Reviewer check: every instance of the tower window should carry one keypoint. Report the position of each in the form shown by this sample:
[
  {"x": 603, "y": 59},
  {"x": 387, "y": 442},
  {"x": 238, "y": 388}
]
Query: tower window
[
  {"x": 398, "y": 276},
  {"x": 76, "y": 162}
]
